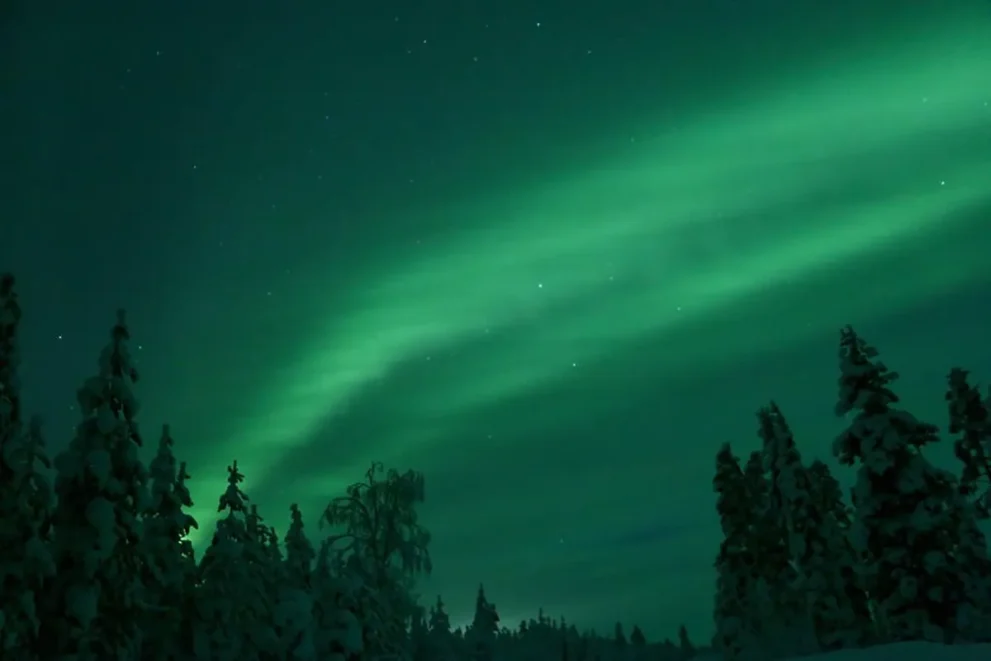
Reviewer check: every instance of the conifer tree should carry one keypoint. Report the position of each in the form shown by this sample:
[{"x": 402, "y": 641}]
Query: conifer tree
[
  {"x": 639, "y": 644},
  {"x": 776, "y": 613},
  {"x": 338, "y": 633},
  {"x": 685, "y": 646},
  {"x": 264, "y": 558},
  {"x": 826, "y": 494},
  {"x": 294, "y": 613},
  {"x": 817, "y": 548},
  {"x": 778, "y": 610},
  {"x": 231, "y": 602},
  {"x": 484, "y": 627},
  {"x": 439, "y": 622},
  {"x": 621, "y": 648},
  {"x": 440, "y": 639},
  {"x": 169, "y": 567},
  {"x": 907, "y": 522},
  {"x": 26, "y": 498},
  {"x": 419, "y": 635},
  {"x": 583, "y": 650},
  {"x": 619, "y": 638},
  {"x": 96, "y": 603},
  {"x": 299, "y": 551},
  {"x": 970, "y": 419},
  {"x": 735, "y": 563}
]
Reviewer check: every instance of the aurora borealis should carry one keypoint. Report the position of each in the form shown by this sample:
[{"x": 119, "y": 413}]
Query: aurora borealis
[{"x": 553, "y": 256}]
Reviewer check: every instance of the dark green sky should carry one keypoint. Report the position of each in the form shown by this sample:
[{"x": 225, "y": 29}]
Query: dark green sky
[{"x": 552, "y": 254}]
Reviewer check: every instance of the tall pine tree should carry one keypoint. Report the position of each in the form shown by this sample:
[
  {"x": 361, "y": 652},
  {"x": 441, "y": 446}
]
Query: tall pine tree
[
  {"x": 970, "y": 420},
  {"x": 97, "y": 603},
  {"x": 907, "y": 523},
  {"x": 736, "y": 563},
  {"x": 817, "y": 547},
  {"x": 26, "y": 498},
  {"x": 484, "y": 627},
  {"x": 440, "y": 641},
  {"x": 169, "y": 566},
  {"x": 294, "y": 612},
  {"x": 231, "y": 604}
]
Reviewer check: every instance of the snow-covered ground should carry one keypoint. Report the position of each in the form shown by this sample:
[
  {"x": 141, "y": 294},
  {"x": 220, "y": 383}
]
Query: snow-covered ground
[{"x": 913, "y": 651}]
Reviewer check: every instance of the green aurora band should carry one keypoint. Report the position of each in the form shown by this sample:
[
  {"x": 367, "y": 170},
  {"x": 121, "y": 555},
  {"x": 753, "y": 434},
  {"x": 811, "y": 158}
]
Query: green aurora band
[{"x": 693, "y": 236}]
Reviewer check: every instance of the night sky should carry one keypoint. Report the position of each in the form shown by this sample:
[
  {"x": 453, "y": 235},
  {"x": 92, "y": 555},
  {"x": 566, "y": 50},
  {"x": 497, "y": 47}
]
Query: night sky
[{"x": 552, "y": 254}]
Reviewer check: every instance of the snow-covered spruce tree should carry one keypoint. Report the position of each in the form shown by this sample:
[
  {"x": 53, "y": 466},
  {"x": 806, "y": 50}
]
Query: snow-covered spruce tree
[
  {"x": 170, "y": 567},
  {"x": 384, "y": 545},
  {"x": 780, "y": 466},
  {"x": 583, "y": 647},
  {"x": 826, "y": 498},
  {"x": 439, "y": 637},
  {"x": 826, "y": 494},
  {"x": 620, "y": 646},
  {"x": 817, "y": 547},
  {"x": 685, "y": 647},
  {"x": 638, "y": 643},
  {"x": 419, "y": 635},
  {"x": 95, "y": 606},
  {"x": 230, "y": 605},
  {"x": 294, "y": 608},
  {"x": 778, "y": 609},
  {"x": 907, "y": 520},
  {"x": 337, "y": 631},
  {"x": 264, "y": 557},
  {"x": 26, "y": 498},
  {"x": 484, "y": 627},
  {"x": 735, "y": 563},
  {"x": 970, "y": 419}
]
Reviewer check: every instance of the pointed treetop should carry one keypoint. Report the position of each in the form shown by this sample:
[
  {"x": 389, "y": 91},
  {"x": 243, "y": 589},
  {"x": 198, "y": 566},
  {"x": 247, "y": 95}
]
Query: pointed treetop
[
  {"x": 685, "y": 643},
  {"x": 182, "y": 491},
  {"x": 233, "y": 498},
  {"x": 773, "y": 429},
  {"x": 108, "y": 398},
  {"x": 864, "y": 381},
  {"x": 299, "y": 551},
  {"x": 618, "y": 636},
  {"x": 970, "y": 417},
  {"x": 968, "y": 410},
  {"x": 879, "y": 431},
  {"x": 116, "y": 359},
  {"x": 163, "y": 467},
  {"x": 727, "y": 463},
  {"x": 440, "y": 623}
]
